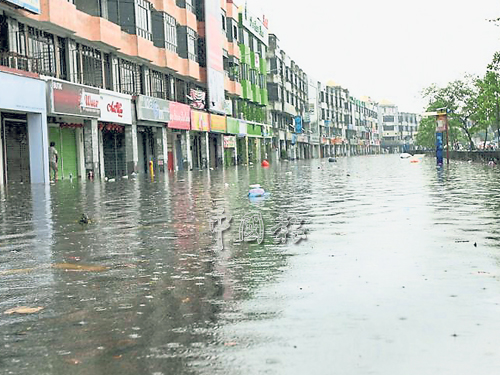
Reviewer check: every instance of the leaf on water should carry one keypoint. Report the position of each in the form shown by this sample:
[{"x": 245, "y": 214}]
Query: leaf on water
[
  {"x": 79, "y": 267},
  {"x": 23, "y": 310}
]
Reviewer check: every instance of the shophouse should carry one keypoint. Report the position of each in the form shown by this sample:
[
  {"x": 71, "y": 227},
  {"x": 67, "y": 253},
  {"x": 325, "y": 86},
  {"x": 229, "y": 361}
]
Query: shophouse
[
  {"x": 122, "y": 78},
  {"x": 288, "y": 99}
]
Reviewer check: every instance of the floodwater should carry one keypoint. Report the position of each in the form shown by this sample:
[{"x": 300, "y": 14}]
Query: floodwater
[{"x": 399, "y": 273}]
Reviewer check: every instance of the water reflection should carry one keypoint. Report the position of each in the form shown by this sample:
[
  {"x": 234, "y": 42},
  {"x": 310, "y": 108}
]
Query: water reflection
[{"x": 142, "y": 289}]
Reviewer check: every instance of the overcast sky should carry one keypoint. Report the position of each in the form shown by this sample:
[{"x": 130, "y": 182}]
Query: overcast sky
[{"x": 385, "y": 49}]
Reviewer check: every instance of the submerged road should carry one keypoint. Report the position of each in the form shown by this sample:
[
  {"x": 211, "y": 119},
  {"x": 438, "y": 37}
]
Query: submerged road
[{"x": 398, "y": 272}]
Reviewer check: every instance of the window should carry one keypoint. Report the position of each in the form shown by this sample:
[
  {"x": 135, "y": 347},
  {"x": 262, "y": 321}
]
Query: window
[
  {"x": 191, "y": 44},
  {"x": 143, "y": 19},
  {"x": 128, "y": 77},
  {"x": 158, "y": 84},
  {"x": 189, "y": 5},
  {"x": 170, "y": 32},
  {"x": 88, "y": 66},
  {"x": 388, "y": 119},
  {"x": 224, "y": 21},
  {"x": 234, "y": 69}
]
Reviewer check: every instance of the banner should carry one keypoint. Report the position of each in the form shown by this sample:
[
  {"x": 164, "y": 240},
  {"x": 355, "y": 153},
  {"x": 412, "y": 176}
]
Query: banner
[
  {"x": 229, "y": 141},
  {"x": 152, "y": 109},
  {"x": 115, "y": 107},
  {"x": 217, "y": 123},
  {"x": 215, "y": 68},
  {"x": 31, "y": 5},
  {"x": 200, "y": 121},
  {"x": 70, "y": 99},
  {"x": 180, "y": 116}
]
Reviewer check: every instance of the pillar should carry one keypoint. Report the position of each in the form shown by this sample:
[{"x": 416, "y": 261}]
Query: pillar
[
  {"x": 207, "y": 150},
  {"x": 38, "y": 141},
  {"x": 80, "y": 153},
  {"x": 91, "y": 147},
  {"x": 164, "y": 143},
  {"x": 131, "y": 150},
  {"x": 189, "y": 150}
]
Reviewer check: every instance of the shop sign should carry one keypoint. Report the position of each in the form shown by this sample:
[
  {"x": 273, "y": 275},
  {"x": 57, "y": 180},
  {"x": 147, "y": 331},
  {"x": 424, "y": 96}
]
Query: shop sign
[
  {"x": 152, "y": 109},
  {"x": 31, "y": 5},
  {"x": 315, "y": 139},
  {"x": 180, "y": 116},
  {"x": 70, "y": 99},
  {"x": 282, "y": 135},
  {"x": 353, "y": 142},
  {"x": 288, "y": 136},
  {"x": 229, "y": 141},
  {"x": 298, "y": 124},
  {"x": 217, "y": 123},
  {"x": 115, "y": 107},
  {"x": 233, "y": 126},
  {"x": 200, "y": 121},
  {"x": 302, "y": 138},
  {"x": 254, "y": 25},
  {"x": 338, "y": 141},
  {"x": 214, "y": 41},
  {"x": 242, "y": 128}
]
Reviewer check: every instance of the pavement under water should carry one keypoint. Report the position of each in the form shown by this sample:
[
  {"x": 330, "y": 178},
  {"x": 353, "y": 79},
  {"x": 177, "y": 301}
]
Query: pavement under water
[{"x": 399, "y": 273}]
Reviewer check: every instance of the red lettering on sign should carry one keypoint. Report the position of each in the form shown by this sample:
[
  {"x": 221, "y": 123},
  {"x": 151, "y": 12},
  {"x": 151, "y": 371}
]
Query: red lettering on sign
[
  {"x": 89, "y": 102},
  {"x": 115, "y": 108}
]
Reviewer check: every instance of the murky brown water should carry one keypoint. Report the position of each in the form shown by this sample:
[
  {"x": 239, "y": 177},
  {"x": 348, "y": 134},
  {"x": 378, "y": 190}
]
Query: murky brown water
[{"x": 388, "y": 281}]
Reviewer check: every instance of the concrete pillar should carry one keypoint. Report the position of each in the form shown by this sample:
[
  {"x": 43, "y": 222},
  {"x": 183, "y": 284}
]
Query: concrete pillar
[
  {"x": 131, "y": 150},
  {"x": 91, "y": 147},
  {"x": 188, "y": 150},
  {"x": 38, "y": 141},
  {"x": 207, "y": 150},
  {"x": 101, "y": 154},
  {"x": 80, "y": 154},
  {"x": 164, "y": 141},
  {"x": 246, "y": 150},
  {"x": 236, "y": 151},
  {"x": 220, "y": 141}
]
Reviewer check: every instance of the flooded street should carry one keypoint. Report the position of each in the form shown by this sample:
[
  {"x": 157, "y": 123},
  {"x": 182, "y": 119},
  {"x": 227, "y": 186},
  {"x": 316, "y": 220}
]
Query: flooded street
[{"x": 398, "y": 273}]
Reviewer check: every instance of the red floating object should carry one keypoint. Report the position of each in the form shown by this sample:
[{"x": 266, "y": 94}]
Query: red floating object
[{"x": 265, "y": 163}]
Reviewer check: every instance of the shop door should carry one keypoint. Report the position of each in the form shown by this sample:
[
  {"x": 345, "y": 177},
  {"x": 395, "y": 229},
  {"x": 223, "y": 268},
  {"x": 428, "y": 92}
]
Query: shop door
[
  {"x": 65, "y": 140},
  {"x": 113, "y": 143},
  {"x": 16, "y": 151},
  {"x": 214, "y": 162}
]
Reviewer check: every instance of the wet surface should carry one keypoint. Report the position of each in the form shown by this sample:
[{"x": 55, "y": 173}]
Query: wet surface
[{"x": 398, "y": 274}]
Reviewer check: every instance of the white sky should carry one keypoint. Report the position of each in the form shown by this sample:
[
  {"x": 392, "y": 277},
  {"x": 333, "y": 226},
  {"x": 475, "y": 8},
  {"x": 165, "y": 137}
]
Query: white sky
[{"x": 385, "y": 49}]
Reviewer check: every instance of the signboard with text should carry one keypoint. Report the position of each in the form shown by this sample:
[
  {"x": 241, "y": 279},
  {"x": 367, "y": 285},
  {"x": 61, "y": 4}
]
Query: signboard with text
[
  {"x": 31, "y": 5},
  {"x": 229, "y": 141},
  {"x": 70, "y": 99},
  {"x": 115, "y": 107},
  {"x": 152, "y": 109},
  {"x": 215, "y": 68},
  {"x": 180, "y": 116},
  {"x": 200, "y": 121}
]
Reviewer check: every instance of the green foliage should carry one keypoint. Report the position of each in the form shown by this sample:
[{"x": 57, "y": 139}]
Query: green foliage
[{"x": 459, "y": 99}]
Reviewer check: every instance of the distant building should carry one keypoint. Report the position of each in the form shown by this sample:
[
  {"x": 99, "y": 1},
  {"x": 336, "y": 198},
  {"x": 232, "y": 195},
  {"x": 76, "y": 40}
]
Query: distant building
[{"x": 399, "y": 129}]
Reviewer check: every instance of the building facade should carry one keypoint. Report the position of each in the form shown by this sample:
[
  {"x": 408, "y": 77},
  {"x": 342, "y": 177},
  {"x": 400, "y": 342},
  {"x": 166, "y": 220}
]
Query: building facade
[{"x": 287, "y": 109}]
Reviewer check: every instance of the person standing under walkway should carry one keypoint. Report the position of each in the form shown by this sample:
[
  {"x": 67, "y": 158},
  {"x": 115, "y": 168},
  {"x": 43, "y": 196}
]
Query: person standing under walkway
[{"x": 53, "y": 159}]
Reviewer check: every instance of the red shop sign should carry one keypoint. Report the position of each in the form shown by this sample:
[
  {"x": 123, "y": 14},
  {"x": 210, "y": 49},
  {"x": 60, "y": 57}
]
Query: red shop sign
[{"x": 180, "y": 116}]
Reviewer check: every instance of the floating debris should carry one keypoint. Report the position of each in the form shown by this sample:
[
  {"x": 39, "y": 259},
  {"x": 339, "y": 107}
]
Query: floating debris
[
  {"x": 80, "y": 267},
  {"x": 23, "y": 310}
]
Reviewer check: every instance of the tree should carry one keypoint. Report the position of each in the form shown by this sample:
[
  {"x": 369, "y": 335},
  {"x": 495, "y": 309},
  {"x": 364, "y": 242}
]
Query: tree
[{"x": 459, "y": 98}]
